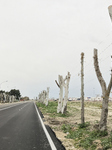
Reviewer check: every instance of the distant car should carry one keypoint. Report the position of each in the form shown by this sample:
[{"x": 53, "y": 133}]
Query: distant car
[{"x": 69, "y": 99}]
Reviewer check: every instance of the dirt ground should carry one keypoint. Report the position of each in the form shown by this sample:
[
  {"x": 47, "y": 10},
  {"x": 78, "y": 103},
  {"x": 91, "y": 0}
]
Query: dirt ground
[{"x": 92, "y": 115}]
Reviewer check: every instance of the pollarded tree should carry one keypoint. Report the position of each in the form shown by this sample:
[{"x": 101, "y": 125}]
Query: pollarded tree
[
  {"x": 60, "y": 85},
  {"x": 66, "y": 86},
  {"x": 105, "y": 92},
  {"x": 47, "y": 96},
  {"x": 62, "y": 103}
]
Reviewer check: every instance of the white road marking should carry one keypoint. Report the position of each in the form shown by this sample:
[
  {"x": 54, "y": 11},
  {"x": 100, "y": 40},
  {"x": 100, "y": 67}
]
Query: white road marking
[
  {"x": 46, "y": 132},
  {"x": 23, "y": 107}
]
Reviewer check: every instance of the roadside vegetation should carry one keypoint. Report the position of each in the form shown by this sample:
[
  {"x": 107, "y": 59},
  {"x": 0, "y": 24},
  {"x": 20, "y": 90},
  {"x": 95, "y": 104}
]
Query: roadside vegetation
[
  {"x": 84, "y": 136},
  {"x": 51, "y": 109}
]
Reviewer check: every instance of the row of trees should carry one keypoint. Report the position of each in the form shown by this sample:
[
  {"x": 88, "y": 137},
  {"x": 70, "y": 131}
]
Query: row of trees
[
  {"x": 62, "y": 103},
  {"x": 10, "y": 96}
]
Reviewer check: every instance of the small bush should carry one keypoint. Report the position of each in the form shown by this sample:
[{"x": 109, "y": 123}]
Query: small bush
[
  {"x": 66, "y": 128},
  {"x": 84, "y": 125},
  {"x": 98, "y": 133}
]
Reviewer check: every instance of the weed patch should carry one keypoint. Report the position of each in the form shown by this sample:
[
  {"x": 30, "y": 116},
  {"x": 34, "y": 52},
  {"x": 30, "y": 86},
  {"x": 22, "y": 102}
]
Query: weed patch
[
  {"x": 85, "y": 138},
  {"x": 107, "y": 142}
]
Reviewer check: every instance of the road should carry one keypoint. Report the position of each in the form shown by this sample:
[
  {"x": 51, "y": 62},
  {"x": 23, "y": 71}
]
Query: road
[{"x": 21, "y": 128}]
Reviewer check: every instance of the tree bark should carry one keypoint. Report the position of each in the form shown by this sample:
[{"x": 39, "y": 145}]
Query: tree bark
[
  {"x": 66, "y": 85},
  {"x": 59, "y": 108},
  {"x": 98, "y": 73},
  {"x": 104, "y": 114}
]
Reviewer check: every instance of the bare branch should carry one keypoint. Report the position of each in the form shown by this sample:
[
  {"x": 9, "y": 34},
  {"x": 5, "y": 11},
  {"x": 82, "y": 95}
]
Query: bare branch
[
  {"x": 57, "y": 83},
  {"x": 110, "y": 11},
  {"x": 98, "y": 73},
  {"x": 109, "y": 86}
]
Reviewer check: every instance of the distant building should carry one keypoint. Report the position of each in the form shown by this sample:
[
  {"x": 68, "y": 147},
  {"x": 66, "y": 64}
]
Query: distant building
[{"x": 24, "y": 98}]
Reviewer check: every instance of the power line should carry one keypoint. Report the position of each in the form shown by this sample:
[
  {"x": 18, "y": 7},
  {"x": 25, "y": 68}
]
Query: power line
[
  {"x": 105, "y": 49},
  {"x": 105, "y": 38},
  {"x": 77, "y": 66}
]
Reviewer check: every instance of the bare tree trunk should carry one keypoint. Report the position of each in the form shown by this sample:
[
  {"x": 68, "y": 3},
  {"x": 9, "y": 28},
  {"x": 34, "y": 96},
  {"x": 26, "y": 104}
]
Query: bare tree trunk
[
  {"x": 82, "y": 89},
  {"x": 60, "y": 85},
  {"x": 105, "y": 93},
  {"x": 47, "y": 96},
  {"x": 66, "y": 85},
  {"x": 104, "y": 114}
]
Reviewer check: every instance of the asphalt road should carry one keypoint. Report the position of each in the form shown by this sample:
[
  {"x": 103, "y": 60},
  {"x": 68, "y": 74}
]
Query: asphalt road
[{"x": 21, "y": 128}]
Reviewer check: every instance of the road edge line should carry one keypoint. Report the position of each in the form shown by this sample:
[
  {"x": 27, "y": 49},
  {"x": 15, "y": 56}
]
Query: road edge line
[{"x": 53, "y": 147}]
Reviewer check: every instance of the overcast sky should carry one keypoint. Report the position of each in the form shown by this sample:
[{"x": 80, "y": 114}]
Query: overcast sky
[{"x": 41, "y": 39}]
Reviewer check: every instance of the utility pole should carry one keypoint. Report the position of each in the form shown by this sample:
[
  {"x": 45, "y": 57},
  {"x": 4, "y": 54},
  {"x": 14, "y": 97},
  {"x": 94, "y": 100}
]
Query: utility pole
[{"x": 82, "y": 88}]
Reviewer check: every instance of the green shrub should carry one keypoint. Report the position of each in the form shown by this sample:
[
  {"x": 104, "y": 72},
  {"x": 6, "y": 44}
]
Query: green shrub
[
  {"x": 84, "y": 125},
  {"x": 66, "y": 128},
  {"x": 107, "y": 142}
]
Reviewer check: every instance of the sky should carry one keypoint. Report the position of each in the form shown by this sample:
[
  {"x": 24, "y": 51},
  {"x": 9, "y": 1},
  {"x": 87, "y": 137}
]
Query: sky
[{"x": 41, "y": 39}]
